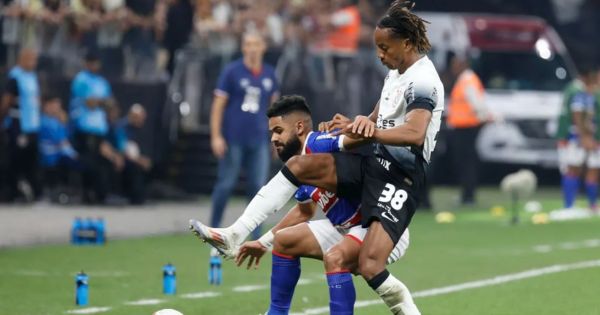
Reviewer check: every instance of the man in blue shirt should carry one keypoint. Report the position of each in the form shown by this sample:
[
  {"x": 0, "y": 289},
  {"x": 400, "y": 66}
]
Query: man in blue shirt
[
  {"x": 56, "y": 152},
  {"x": 238, "y": 124},
  {"x": 123, "y": 141},
  {"x": 20, "y": 117},
  {"x": 90, "y": 94}
]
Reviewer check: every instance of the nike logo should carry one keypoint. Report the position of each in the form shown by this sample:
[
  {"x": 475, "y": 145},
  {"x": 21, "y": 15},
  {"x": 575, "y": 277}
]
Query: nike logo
[{"x": 389, "y": 216}]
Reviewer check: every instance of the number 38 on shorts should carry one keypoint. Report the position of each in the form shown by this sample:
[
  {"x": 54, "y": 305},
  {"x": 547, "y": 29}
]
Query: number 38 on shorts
[{"x": 392, "y": 197}]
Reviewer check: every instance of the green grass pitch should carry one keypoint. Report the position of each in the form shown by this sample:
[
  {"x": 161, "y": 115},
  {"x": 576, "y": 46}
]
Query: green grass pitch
[{"x": 40, "y": 280}]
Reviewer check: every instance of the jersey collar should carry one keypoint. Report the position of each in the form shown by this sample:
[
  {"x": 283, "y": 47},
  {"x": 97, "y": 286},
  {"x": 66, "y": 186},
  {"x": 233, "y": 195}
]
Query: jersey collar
[{"x": 305, "y": 142}]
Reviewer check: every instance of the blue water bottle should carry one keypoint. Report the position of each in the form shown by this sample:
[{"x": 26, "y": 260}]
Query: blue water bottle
[
  {"x": 100, "y": 231},
  {"x": 215, "y": 274},
  {"x": 169, "y": 281},
  {"x": 84, "y": 231},
  {"x": 75, "y": 231},
  {"x": 81, "y": 291}
]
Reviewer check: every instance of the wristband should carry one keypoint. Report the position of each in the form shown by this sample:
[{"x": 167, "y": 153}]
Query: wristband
[{"x": 267, "y": 240}]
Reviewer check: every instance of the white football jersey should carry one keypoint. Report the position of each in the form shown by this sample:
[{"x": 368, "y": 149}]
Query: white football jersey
[{"x": 418, "y": 86}]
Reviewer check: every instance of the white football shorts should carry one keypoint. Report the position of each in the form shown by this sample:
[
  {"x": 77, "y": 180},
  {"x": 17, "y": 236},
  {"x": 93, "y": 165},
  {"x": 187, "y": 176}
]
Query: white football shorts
[
  {"x": 572, "y": 154},
  {"x": 327, "y": 235}
]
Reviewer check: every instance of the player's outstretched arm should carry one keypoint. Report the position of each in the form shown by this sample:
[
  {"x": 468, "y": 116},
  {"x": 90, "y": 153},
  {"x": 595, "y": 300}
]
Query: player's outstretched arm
[
  {"x": 254, "y": 250},
  {"x": 412, "y": 132}
]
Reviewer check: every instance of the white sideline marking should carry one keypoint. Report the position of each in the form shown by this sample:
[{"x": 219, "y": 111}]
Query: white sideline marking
[
  {"x": 145, "y": 302},
  {"x": 249, "y": 288},
  {"x": 32, "y": 273},
  {"x": 475, "y": 284},
  {"x": 304, "y": 281},
  {"x": 200, "y": 295},
  {"x": 89, "y": 310},
  {"x": 40, "y": 273},
  {"x": 108, "y": 273},
  {"x": 592, "y": 243}
]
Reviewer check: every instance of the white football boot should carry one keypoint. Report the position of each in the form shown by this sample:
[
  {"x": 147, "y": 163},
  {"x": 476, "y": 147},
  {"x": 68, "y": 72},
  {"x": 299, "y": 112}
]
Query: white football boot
[{"x": 221, "y": 239}]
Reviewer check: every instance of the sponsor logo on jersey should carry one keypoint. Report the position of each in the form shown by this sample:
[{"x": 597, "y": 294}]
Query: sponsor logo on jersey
[
  {"x": 324, "y": 199},
  {"x": 325, "y": 136},
  {"x": 384, "y": 163}
]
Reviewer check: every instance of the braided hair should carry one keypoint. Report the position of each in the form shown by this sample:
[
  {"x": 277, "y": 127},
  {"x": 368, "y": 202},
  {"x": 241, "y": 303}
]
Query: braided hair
[{"x": 405, "y": 24}]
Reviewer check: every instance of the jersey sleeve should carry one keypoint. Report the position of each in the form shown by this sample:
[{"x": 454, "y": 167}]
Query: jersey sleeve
[
  {"x": 323, "y": 142},
  {"x": 421, "y": 94},
  {"x": 224, "y": 86},
  {"x": 303, "y": 193}
]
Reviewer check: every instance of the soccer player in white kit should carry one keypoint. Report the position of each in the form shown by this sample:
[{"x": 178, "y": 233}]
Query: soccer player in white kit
[{"x": 404, "y": 125}]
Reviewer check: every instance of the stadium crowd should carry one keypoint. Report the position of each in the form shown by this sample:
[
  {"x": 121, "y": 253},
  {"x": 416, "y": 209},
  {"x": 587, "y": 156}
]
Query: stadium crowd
[
  {"x": 48, "y": 141},
  {"x": 137, "y": 39}
]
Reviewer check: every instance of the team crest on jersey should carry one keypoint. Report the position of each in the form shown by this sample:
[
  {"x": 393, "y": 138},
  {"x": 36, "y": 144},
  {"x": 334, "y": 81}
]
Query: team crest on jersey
[
  {"x": 267, "y": 84},
  {"x": 244, "y": 82}
]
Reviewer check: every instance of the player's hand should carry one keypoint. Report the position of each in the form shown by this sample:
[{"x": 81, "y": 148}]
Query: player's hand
[
  {"x": 361, "y": 128},
  {"x": 252, "y": 250},
  {"x": 218, "y": 146},
  {"x": 362, "y": 125},
  {"x": 323, "y": 126},
  {"x": 339, "y": 121}
]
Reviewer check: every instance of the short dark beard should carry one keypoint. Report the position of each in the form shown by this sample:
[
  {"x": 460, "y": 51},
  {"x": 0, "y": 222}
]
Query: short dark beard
[{"x": 290, "y": 149}]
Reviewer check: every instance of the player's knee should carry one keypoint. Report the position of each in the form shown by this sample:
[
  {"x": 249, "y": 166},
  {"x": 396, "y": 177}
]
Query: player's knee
[
  {"x": 335, "y": 261},
  {"x": 283, "y": 242}
]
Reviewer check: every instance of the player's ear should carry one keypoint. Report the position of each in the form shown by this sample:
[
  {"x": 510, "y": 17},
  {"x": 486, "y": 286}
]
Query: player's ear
[
  {"x": 299, "y": 127},
  {"x": 407, "y": 45}
]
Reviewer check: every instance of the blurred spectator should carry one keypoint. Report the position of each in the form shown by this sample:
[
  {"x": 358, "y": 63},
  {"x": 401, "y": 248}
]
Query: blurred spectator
[
  {"x": 87, "y": 17},
  {"x": 110, "y": 37},
  {"x": 343, "y": 42},
  {"x": 344, "y": 29},
  {"x": 54, "y": 34},
  {"x": 56, "y": 153},
  {"x": 140, "y": 40},
  {"x": 21, "y": 106},
  {"x": 180, "y": 20},
  {"x": 213, "y": 29},
  {"x": 259, "y": 16},
  {"x": 467, "y": 112},
  {"x": 137, "y": 165},
  {"x": 91, "y": 93},
  {"x": 578, "y": 137},
  {"x": 239, "y": 133}
]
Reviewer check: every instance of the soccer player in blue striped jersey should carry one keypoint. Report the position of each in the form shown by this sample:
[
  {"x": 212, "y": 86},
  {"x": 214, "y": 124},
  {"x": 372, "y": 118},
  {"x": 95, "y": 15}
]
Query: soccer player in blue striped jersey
[{"x": 335, "y": 240}]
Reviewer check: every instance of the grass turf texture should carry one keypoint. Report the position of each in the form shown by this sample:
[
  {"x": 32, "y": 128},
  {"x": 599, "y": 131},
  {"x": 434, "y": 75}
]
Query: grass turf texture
[{"x": 40, "y": 280}]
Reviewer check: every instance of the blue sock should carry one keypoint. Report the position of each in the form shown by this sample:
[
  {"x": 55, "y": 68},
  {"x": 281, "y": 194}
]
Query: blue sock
[
  {"x": 341, "y": 293},
  {"x": 570, "y": 186},
  {"x": 591, "y": 190},
  {"x": 284, "y": 277}
]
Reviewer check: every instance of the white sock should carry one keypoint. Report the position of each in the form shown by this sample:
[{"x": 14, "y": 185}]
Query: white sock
[
  {"x": 397, "y": 297},
  {"x": 270, "y": 198}
]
